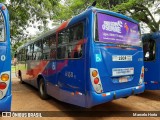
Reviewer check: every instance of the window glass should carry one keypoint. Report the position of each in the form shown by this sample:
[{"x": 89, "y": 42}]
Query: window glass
[
  {"x": 46, "y": 43},
  {"x": 112, "y": 29},
  {"x": 63, "y": 36},
  {"x": 37, "y": 55},
  {"x": 61, "y": 52},
  {"x": 30, "y": 52},
  {"x": 74, "y": 51},
  {"x": 76, "y": 32},
  {"x": 46, "y": 48},
  {"x": 21, "y": 55},
  {"x": 149, "y": 48},
  {"x": 69, "y": 42},
  {"x": 53, "y": 53},
  {"x": 53, "y": 41},
  {"x": 53, "y": 47},
  {"x": 2, "y": 27},
  {"x": 37, "y": 46}
]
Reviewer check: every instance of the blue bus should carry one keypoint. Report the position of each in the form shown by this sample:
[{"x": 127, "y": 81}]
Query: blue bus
[
  {"x": 151, "y": 48},
  {"x": 5, "y": 61},
  {"x": 90, "y": 59}
]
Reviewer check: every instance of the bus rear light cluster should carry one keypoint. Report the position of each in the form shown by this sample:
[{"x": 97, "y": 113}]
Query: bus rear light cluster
[
  {"x": 4, "y": 83},
  {"x": 96, "y": 81},
  {"x": 141, "y": 80}
]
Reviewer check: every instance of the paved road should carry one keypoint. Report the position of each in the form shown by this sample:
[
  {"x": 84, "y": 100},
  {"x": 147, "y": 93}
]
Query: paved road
[{"x": 26, "y": 98}]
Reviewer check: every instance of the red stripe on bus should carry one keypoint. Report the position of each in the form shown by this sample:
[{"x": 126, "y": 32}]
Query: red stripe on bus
[{"x": 63, "y": 25}]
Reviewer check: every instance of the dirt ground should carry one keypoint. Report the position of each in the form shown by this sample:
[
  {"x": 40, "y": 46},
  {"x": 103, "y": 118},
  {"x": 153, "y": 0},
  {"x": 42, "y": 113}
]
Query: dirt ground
[{"x": 26, "y": 98}]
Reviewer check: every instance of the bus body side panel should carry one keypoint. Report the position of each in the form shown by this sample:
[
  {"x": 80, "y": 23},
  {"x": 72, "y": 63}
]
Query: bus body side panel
[
  {"x": 152, "y": 76},
  {"x": 67, "y": 81},
  {"x": 67, "y": 77},
  {"x": 34, "y": 69},
  {"x": 64, "y": 79}
]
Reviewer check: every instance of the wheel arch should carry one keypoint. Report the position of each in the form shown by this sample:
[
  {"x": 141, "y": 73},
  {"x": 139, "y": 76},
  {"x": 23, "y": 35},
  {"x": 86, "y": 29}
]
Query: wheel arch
[{"x": 38, "y": 79}]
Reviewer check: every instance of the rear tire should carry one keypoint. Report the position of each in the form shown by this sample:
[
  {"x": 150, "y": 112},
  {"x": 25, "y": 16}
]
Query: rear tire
[{"x": 42, "y": 89}]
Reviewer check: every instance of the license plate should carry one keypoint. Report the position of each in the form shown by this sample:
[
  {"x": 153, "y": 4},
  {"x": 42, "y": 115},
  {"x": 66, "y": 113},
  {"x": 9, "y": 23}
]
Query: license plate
[
  {"x": 122, "y": 71},
  {"x": 122, "y": 58},
  {"x": 123, "y": 79}
]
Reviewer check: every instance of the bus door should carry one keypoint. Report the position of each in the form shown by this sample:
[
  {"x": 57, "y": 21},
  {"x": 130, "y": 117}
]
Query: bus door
[{"x": 151, "y": 57}]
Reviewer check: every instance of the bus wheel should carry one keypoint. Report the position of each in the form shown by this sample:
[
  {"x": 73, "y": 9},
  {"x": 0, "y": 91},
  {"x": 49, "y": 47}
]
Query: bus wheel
[{"x": 42, "y": 89}]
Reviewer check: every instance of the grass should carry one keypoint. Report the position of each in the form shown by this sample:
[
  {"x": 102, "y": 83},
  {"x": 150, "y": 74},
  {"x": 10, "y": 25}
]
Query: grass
[
  {"x": 20, "y": 67},
  {"x": 13, "y": 68}
]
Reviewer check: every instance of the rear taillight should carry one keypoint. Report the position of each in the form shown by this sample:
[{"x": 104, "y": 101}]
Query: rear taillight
[
  {"x": 4, "y": 83},
  {"x": 96, "y": 81},
  {"x": 141, "y": 79}
]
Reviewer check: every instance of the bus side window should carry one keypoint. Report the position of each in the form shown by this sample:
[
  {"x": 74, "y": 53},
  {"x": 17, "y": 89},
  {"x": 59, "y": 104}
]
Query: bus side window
[
  {"x": 46, "y": 48},
  {"x": 78, "y": 51},
  {"x": 37, "y": 50},
  {"x": 62, "y": 52},
  {"x": 149, "y": 48},
  {"x": 53, "y": 47},
  {"x": 30, "y": 52},
  {"x": 78, "y": 35},
  {"x": 70, "y": 42}
]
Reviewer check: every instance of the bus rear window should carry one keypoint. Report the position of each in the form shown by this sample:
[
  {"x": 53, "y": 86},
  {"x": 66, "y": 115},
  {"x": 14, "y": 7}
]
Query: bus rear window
[{"x": 112, "y": 29}]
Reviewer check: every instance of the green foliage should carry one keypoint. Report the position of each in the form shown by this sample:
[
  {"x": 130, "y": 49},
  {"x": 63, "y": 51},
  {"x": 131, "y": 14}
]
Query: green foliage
[
  {"x": 73, "y": 7},
  {"x": 137, "y": 9},
  {"x": 22, "y": 12},
  {"x": 140, "y": 10},
  {"x": 2, "y": 1}
]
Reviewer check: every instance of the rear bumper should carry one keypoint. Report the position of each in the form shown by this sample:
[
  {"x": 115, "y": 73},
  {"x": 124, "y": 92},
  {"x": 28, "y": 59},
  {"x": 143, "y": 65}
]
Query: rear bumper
[
  {"x": 5, "y": 103},
  {"x": 95, "y": 99}
]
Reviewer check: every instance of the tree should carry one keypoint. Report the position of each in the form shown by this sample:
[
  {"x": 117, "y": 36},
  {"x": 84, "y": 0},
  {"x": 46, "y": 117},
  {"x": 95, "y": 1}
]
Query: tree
[
  {"x": 71, "y": 8},
  {"x": 24, "y": 12},
  {"x": 144, "y": 11}
]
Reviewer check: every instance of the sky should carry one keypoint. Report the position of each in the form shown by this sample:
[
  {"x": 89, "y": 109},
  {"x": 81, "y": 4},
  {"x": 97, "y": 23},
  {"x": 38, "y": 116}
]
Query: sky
[{"x": 33, "y": 29}]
